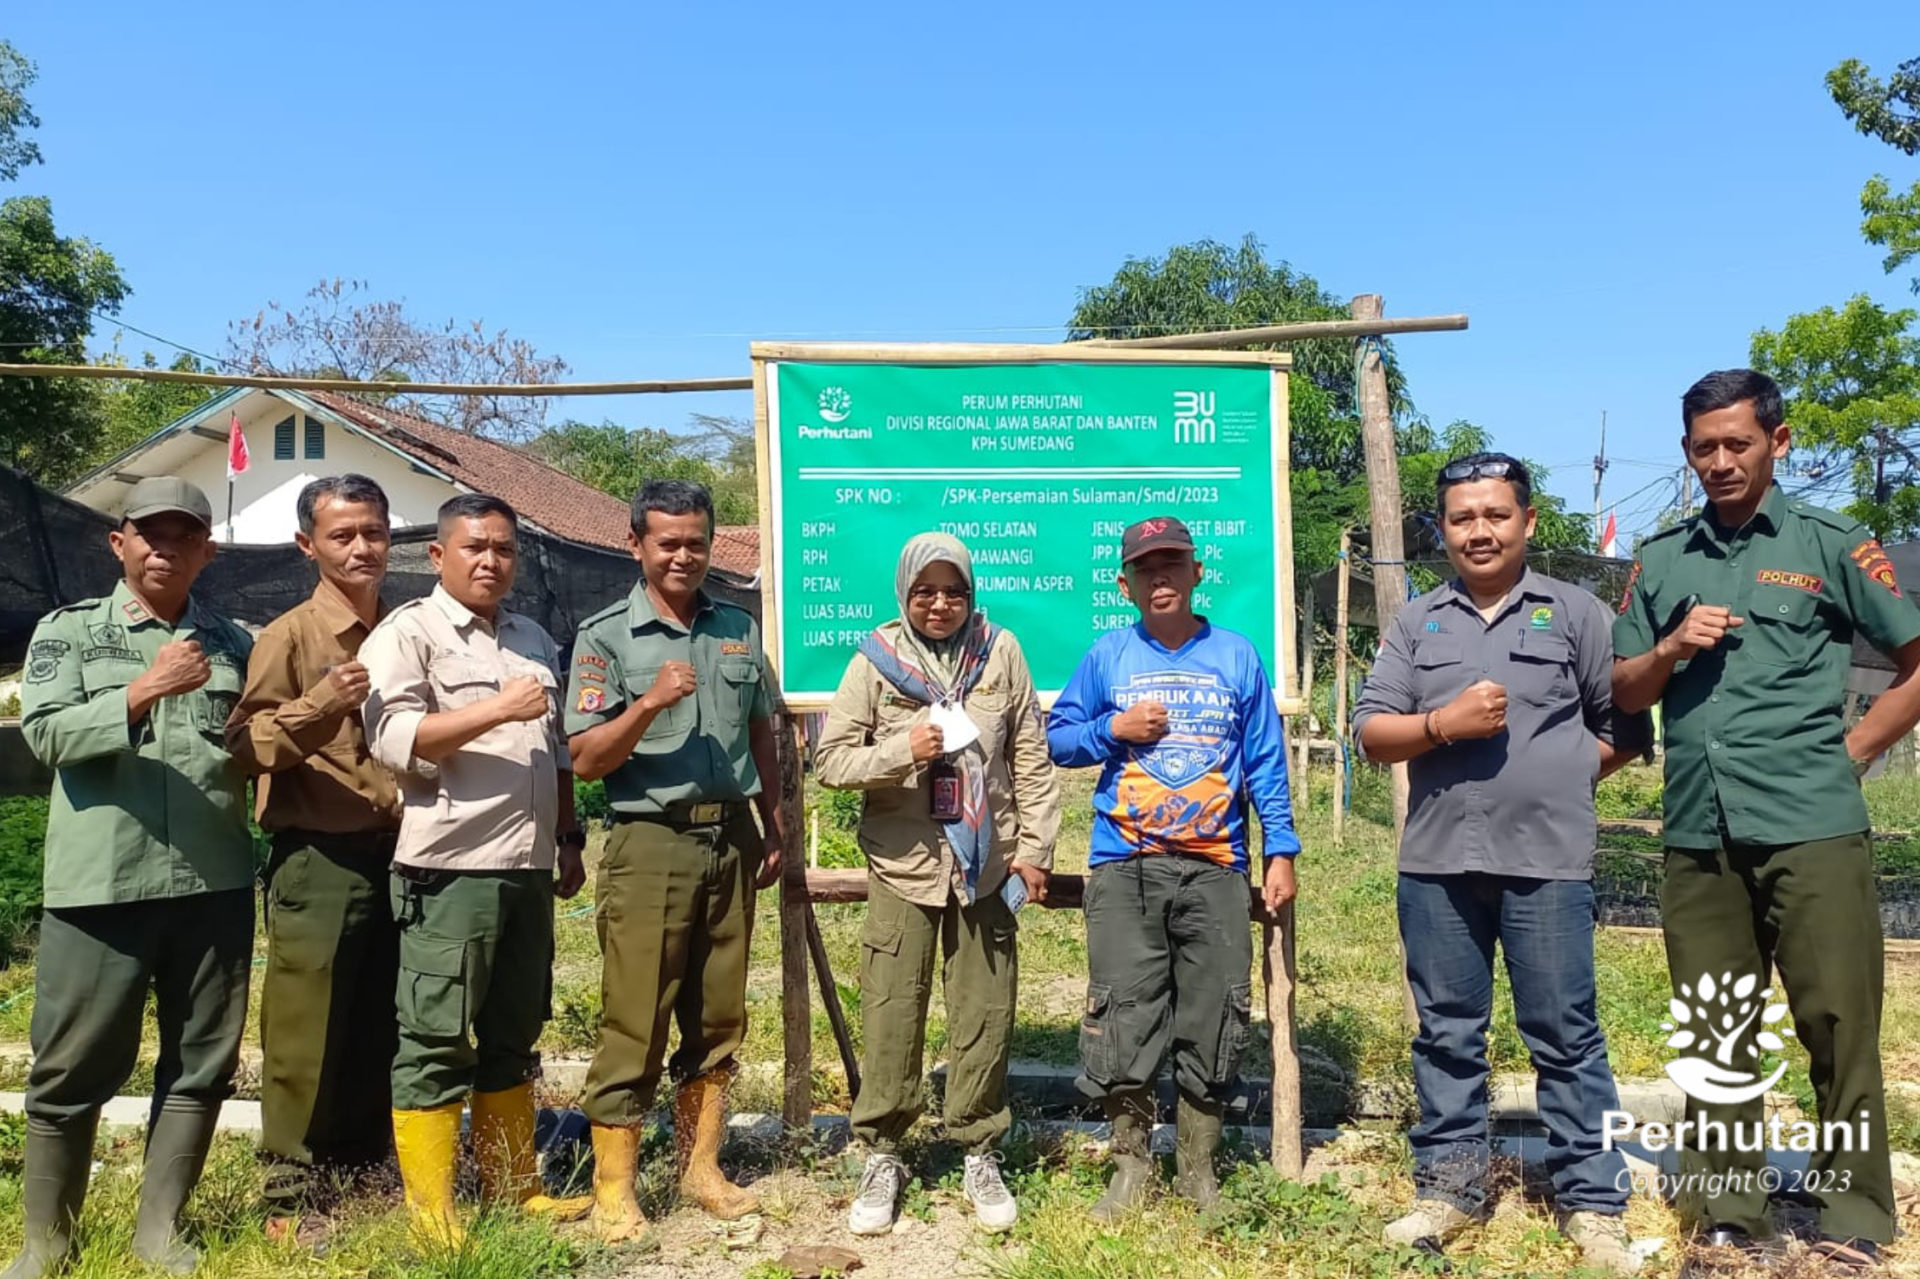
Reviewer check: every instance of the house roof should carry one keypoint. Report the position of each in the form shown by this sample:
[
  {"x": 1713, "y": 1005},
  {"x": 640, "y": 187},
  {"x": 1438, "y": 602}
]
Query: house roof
[{"x": 552, "y": 499}]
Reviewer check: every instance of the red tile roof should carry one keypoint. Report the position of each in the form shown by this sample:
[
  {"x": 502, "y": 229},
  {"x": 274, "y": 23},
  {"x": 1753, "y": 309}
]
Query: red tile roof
[{"x": 552, "y": 499}]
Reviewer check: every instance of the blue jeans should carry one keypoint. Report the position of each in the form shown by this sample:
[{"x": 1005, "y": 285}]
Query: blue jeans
[{"x": 1449, "y": 924}]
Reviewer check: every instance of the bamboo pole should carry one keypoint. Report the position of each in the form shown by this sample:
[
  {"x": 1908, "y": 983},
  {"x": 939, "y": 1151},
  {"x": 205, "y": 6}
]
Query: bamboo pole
[
  {"x": 1340, "y": 689},
  {"x": 350, "y": 386},
  {"x": 1303, "y": 723},
  {"x": 1300, "y": 332}
]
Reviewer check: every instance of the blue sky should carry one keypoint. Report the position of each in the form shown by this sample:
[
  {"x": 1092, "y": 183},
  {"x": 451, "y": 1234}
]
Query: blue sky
[{"x": 1617, "y": 194}]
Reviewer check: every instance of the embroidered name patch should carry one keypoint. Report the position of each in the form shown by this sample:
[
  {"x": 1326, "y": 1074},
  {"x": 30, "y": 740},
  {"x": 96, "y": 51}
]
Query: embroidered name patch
[
  {"x": 1874, "y": 563},
  {"x": 734, "y": 648},
  {"x": 591, "y": 699},
  {"x": 1798, "y": 581}
]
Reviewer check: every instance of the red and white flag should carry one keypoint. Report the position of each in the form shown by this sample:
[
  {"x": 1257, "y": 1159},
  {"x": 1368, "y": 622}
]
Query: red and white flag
[
  {"x": 1610, "y": 538},
  {"x": 236, "y": 448}
]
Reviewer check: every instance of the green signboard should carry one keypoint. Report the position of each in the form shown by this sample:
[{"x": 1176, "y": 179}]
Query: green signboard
[{"x": 1036, "y": 467}]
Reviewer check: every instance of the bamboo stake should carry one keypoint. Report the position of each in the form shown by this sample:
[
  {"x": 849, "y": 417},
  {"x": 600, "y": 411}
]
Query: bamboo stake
[
  {"x": 1340, "y": 690},
  {"x": 1357, "y": 327}
]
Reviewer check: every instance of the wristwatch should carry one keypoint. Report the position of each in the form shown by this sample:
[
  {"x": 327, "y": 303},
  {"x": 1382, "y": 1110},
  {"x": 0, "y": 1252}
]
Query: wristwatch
[
  {"x": 1860, "y": 767},
  {"x": 575, "y": 838}
]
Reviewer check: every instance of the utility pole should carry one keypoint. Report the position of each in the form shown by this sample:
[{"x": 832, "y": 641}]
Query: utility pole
[{"x": 1599, "y": 468}]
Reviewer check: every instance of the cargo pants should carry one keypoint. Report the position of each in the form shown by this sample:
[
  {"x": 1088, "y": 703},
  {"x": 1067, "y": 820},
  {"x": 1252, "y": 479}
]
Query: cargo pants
[
  {"x": 674, "y": 913},
  {"x": 91, "y": 977},
  {"x": 1812, "y": 909},
  {"x": 327, "y": 1027},
  {"x": 979, "y": 972},
  {"x": 1169, "y": 971},
  {"x": 476, "y": 981}
]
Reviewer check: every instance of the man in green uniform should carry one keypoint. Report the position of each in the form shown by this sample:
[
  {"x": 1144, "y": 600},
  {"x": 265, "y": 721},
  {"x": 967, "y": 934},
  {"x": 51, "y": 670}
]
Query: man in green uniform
[
  {"x": 1740, "y": 622},
  {"x": 669, "y": 699},
  {"x": 327, "y": 1033},
  {"x": 149, "y": 874},
  {"x": 463, "y": 706}
]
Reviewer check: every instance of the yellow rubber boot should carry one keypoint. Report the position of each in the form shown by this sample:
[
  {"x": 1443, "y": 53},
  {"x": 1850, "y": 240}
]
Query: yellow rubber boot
[
  {"x": 699, "y": 1125},
  {"x": 427, "y": 1143},
  {"x": 509, "y": 1164},
  {"x": 616, "y": 1212}
]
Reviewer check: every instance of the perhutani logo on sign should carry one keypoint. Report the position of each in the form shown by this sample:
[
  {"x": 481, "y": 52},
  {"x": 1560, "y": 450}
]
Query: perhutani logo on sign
[
  {"x": 1193, "y": 417},
  {"x": 1727, "y": 1023},
  {"x": 835, "y": 404}
]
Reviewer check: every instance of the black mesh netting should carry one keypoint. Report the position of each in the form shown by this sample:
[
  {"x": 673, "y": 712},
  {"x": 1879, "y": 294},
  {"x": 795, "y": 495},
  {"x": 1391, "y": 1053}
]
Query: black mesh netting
[{"x": 56, "y": 553}]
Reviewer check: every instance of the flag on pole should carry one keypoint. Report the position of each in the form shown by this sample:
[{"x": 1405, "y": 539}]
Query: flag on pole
[
  {"x": 1610, "y": 538},
  {"x": 236, "y": 448}
]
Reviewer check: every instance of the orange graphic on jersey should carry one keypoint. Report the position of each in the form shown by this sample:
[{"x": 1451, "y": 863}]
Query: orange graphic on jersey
[
  {"x": 1874, "y": 563},
  {"x": 1191, "y": 819}
]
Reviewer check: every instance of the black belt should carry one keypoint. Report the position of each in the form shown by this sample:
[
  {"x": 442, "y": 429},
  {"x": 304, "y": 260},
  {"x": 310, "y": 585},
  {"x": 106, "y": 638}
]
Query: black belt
[{"x": 689, "y": 816}]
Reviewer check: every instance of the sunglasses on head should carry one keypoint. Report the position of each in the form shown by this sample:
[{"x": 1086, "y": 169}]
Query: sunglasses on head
[{"x": 1458, "y": 472}]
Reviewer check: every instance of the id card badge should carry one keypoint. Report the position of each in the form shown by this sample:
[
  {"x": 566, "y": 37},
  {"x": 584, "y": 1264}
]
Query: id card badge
[{"x": 943, "y": 791}]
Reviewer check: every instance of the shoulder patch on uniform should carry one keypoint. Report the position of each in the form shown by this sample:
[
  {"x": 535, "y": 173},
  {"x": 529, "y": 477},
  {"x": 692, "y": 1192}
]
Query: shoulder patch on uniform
[
  {"x": 590, "y": 659},
  {"x": 591, "y": 700},
  {"x": 1626, "y": 594},
  {"x": 1873, "y": 561},
  {"x": 1798, "y": 581},
  {"x": 43, "y": 659}
]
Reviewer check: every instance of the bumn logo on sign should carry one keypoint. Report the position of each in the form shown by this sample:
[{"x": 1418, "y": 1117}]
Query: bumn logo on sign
[{"x": 1193, "y": 417}]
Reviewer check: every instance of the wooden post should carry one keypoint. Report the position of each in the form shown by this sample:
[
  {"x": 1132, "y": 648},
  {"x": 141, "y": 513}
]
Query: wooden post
[
  {"x": 1303, "y": 723},
  {"x": 1340, "y": 690},
  {"x": 1277, "y": 970},
  {"x": 1389, "y": 548},
  {"x": 830, "y": 996},
  {"x": 796, "y": 1004}
]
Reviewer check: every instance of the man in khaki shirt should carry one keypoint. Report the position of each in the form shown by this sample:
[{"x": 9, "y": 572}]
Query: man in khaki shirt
[
  {"x": 463, "y": 706},
  {"x": 326, "y": 1007}
]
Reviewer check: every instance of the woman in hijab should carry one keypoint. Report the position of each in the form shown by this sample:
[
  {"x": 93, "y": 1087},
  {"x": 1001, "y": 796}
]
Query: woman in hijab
[{"x": 937, "y": 722}]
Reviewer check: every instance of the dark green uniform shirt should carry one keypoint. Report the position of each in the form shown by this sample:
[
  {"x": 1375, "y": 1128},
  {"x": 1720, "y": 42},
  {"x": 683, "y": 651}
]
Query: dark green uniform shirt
[
  {"x": 158, "y": 809},
  {"x": 1755, "y": 748},
  {"x": 695, "y": 751}
]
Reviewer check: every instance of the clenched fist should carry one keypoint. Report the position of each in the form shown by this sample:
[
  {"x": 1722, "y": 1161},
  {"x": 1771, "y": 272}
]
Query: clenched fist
[
  {"x": 928, "y": 741},
  {"x": 674, "y": 684},
  {"x": 179, "y": 667},
  {"x": 1479, "y": 711},
  {"x": 1143, "y": 724},
  {"x": 1706, "y": 625},
  {"x": 523, "y": 698},
  {"x": 350, "y": 682}
]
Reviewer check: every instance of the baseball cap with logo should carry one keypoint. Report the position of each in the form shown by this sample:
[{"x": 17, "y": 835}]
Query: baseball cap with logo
[
  {"x": 1161, "y": 533},
  {"x": 159, "y": 494}
]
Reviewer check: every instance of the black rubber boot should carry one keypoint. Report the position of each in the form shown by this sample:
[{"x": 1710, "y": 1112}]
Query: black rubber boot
[
  {"x": 1132, "y": 1118},
  {"x": 177, "y": 1147},
  {"x": 1196, "y": 1136},
  {"x": 59, "y": 1157}
]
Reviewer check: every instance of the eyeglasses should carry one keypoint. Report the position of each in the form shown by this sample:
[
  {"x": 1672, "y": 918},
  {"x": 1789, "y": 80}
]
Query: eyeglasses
[
  {"x": 926, "y": 594},
  {"x": 1495, "y": 469}
]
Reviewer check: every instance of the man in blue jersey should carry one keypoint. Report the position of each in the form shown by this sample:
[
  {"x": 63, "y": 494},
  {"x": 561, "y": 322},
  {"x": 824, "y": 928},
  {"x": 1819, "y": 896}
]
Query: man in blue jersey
[{"x": 1180, "y": 720}]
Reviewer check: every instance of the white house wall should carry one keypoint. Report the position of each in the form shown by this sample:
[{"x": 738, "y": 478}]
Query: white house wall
[{"x": 263, "y": 498}]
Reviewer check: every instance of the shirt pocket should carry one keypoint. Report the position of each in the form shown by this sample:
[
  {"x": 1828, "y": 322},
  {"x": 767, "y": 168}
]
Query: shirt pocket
[
  {"x": 1540, "y": 669},
  {"x": 460, "y": 681},
  {"x": 1783, "y": 628},
  {"x": 214, "y": 701},
  {"x": 1439, "y": 671},
  {"x": 671, "y": 724},
  {"x": 738, "y": 687}
]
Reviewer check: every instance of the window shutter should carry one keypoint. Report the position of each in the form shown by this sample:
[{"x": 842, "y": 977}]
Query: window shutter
[
  {"x": 283, "y": 441},
  {"x": 316, "y": 439}
]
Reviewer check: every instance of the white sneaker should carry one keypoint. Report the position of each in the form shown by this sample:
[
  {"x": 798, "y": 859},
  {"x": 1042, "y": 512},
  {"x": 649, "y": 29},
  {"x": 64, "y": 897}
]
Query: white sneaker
[
  {"x": 1603, "y": 1242},
  {"x": 1430, "y": 1219},
  {"x": 993, "y": 1204},
  {"x": 877, "y": 1201}
]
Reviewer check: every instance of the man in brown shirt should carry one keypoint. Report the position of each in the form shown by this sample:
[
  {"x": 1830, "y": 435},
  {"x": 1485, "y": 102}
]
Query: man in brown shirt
[{"x": 327, "y": 1024}]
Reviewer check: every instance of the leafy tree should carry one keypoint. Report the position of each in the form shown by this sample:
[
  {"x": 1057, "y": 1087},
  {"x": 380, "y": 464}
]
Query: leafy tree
[
  {"x": 16, "y": 152},
  {"x": 51, "y": 287},
  {"x": 330, "y": 333},
  {"x": 131, "y": 410},
  {"x": 618, "y": 460},
  {"x": 1852, "y": 381},
  {"x": 1889, "y": 111}
]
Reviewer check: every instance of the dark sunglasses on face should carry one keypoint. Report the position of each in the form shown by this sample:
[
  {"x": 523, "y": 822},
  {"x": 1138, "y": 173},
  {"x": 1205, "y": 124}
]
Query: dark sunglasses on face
[{"x": 926, "y": 594}]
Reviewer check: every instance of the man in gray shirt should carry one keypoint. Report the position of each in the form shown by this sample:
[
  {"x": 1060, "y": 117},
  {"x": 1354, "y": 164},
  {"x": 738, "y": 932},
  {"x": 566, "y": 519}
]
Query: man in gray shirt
[{"x": 1497, "y": 690}]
